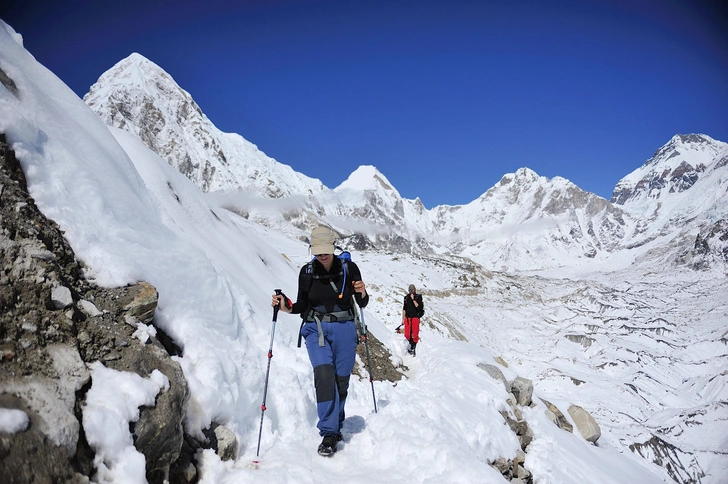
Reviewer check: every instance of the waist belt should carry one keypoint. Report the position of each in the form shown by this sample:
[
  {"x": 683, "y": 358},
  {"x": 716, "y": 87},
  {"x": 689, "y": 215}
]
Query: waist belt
[{"x": 333, "y": 317}]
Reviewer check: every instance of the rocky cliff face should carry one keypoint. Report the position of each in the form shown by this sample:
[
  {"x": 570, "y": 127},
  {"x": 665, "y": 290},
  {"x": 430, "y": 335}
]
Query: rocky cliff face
[
  {"x": 53, "y": 323},
  {"x": 710, "y": 248}
]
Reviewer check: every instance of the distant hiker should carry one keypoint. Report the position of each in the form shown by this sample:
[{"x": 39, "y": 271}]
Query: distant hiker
[
  {"x": 412, "y": 310},
  {"x": 324, "y": 301}
]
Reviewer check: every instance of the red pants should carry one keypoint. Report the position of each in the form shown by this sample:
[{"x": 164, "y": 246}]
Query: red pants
[{"x": 412, "y": 329}]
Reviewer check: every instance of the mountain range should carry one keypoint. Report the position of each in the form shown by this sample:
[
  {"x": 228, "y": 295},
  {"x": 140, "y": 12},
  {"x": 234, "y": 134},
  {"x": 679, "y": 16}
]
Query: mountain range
[{"x": 672, "y": 207}]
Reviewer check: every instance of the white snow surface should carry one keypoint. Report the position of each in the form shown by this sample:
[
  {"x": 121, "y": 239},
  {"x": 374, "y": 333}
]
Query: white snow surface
[
  {"x": 637, "y": 350},
  {"x": 111, "y": 403},
  {"x": 13, "y": 420}
]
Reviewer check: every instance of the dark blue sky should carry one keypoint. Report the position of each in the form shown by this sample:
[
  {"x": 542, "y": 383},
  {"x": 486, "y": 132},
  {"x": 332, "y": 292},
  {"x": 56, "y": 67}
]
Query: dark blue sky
[{"x": 443, "y": 97}]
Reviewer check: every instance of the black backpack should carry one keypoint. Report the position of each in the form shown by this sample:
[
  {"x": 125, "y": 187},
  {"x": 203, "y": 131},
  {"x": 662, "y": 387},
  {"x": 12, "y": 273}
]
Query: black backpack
[{"x": 421, "y": 308}]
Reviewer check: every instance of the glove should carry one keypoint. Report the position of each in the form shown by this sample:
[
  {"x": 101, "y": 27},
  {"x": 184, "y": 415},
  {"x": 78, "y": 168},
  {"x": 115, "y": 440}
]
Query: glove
[{"x": 287, "y": 302}]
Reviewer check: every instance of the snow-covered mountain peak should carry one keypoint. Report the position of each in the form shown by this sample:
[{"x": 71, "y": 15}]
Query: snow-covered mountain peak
[
  {"x": 146, "y": 80},
  {"x": 138, "y": 96},
  {"x": 693, "y": 141},
  {"x": 680, "y": 146},
  {"x": 136, "y": 70},
  {"x": 521, "y": 176},
  {"x": 525, "y": 179},
  {"x": 366, "y": 177},
  {"x": 513, "y": 186},
  {"x": 674, "y": 168}
]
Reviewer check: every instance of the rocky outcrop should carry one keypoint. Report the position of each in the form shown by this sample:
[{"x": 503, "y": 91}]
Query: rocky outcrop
[
  {"x": 679, "y": 465},
  {"x": 382, "y": 367},
  {"x": 514, "y": 470},
  {"x": 710, "y": 248},
  {"x": 53, "y": 322}
]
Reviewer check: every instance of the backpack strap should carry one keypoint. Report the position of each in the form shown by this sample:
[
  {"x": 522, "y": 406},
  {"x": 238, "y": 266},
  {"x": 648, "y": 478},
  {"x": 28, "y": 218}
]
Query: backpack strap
[{"x": 308, "y": 275}]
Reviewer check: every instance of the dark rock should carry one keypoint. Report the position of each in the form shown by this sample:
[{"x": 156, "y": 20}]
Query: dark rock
[
  {"x": 46, "y": 350},
  {"x": 140, "y": 302}
]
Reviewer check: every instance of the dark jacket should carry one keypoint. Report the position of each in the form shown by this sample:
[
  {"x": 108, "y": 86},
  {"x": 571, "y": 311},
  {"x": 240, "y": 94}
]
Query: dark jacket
[
  {"x": 321, "y": 296},
  {"x": 410, "y": 310}
]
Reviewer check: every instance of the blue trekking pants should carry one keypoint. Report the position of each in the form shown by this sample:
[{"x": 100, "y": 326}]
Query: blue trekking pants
[{"x": 332, "y": 365}]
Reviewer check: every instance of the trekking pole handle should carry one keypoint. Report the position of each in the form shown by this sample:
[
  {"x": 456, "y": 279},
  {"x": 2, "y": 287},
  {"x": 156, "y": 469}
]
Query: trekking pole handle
[{"x": 279, "y": 292}]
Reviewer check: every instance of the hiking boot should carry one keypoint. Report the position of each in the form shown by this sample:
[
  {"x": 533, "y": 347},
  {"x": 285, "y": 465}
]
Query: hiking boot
[{"x": 328, "y": 445}]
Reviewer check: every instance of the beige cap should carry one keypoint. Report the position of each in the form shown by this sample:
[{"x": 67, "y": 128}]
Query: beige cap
[{"x": 322, "y": 240}]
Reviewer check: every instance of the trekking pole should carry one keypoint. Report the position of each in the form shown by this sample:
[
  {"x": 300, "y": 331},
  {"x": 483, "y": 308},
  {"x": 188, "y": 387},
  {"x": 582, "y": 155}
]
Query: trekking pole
[
  {"x": 267, "y": 372},
  {"x": 360, "y": 315}
]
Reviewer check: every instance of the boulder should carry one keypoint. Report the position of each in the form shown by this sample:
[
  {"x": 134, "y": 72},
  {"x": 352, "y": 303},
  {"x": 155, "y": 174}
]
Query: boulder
[
  {"x": 586, "y": 424},
  {"x": 141, "y": 302},
  {"x": 227, "y": 443},
  {"x": 522, "y": 388}
]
